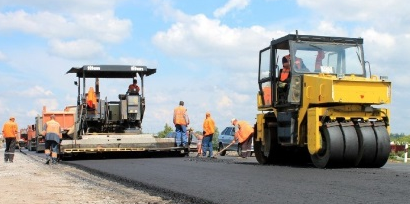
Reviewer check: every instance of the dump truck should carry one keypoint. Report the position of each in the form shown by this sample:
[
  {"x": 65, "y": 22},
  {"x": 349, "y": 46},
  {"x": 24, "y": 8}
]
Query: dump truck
[
  {"x": 330, "y": 111},
  {"x": 64, "y": 117},
  {"x": 31, "y": 138},
  {"x": 108, "y": 126},
  {"x": 22, "y": 141}
]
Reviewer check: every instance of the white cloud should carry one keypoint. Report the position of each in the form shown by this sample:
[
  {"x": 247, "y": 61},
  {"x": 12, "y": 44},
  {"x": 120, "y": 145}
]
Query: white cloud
[
  {"x": 66, "y": 31},
  {"x": 232, "y": 4},
  {"x": 72, "y": 6},
  {"x": 224, "y": 102},
  {"x": 383, "y": 14},
  {"x": 32, "y": 114},
  {"x": 76, "y": 49},
  {"x": 200, "y": 37},
  {"x": 35, "y": 91},
  {"x": 329, "y": 28},
  {"x": 44, "y": 24},
  {"x": 137, "y": 61},
  {"x": 102, "y": 26},
  {"x": 50, "y": 104},
  {"x": 379, "y": 39},
  {"x": 379, "y": 45}
]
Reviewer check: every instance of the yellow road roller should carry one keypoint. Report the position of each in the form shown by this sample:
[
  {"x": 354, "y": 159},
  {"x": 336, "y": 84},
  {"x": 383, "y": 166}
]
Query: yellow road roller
[{"x": 319, "y": 102}]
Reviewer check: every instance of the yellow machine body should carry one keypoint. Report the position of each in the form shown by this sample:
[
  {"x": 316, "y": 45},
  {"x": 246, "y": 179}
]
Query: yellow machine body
[{"x": 335, "y": 115}]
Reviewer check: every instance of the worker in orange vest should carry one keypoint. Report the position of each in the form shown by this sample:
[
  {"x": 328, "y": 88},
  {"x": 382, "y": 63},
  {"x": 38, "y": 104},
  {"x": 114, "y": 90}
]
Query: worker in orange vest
[
  {"x": 10, "y": 131},
  {"x": 244, "y": 135},
  {"x": 52, "y": 132},
  {"x": 284, "y": 74},
  {"x": 91, "y": 98},
  {"x": 209, "y": 130},
  {"x": 181, "y": 121}
]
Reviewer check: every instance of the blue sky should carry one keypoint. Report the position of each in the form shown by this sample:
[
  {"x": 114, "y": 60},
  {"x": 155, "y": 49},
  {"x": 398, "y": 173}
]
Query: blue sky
[{"x": 205, "y": 52}]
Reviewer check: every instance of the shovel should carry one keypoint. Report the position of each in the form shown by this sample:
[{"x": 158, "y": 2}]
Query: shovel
[{"x": 223, "y": 149}]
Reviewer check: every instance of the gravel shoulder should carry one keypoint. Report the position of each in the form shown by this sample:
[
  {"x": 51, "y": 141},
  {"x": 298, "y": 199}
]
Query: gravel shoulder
[{"x": 29, "y": 180}]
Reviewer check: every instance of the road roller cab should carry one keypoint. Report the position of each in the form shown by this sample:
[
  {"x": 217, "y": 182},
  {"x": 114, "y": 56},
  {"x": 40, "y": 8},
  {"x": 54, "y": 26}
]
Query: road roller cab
[{"x": 317, "y": 100}]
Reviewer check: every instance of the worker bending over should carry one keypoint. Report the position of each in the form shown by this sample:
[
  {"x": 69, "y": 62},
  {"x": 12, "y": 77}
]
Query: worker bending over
[
  {"x": 244, "y": 134},
  {"x": 52, "y": 131}
]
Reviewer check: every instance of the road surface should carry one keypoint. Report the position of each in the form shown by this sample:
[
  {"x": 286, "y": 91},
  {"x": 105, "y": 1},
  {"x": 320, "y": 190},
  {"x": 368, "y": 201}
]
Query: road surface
[{"x": 233, "y": 180}]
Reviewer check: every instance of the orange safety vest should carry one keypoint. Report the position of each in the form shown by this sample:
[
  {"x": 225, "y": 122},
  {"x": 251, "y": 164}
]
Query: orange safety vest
[
  {"x": 53, "y": 127},
  {"x": 10, "y": 129},
  {"x": 244, "y": 132},
  {"x": 179, "y": 115},
  {"x": 91, "y": 98},
  {"x": 209, "y": 126},
  {"x": 284, "y": 74},
  {"x": 286, "y": 70}
]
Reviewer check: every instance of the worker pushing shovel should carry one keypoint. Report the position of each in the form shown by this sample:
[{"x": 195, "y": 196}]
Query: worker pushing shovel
[{"x": 244, "y": 134}]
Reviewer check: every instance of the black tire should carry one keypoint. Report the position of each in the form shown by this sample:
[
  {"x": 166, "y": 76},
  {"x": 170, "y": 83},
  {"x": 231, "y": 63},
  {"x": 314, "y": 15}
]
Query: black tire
[
  {"x": 351, "y": 140},
  {"x": 331, "y": 153},
  {"x": 257, "y": 147},
  {"x": 220, "y": 147},
  {"x": 275, "y": 151},
  {"x": 259, "y": 155},
  {"x": 368, "y": 145},
  {"x": 271, "y": 152},
  {"x": 383, "y": 145}
]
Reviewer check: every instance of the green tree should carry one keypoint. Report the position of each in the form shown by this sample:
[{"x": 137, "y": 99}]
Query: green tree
[
  {"x": 400, "y": 140},
  {"x": 215, "y": 139},
  {"x": 167, "y": 129}
]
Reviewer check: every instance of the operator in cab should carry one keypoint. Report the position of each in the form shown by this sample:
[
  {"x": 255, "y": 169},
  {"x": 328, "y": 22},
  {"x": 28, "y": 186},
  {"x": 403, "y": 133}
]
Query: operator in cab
[
  {"x": 284, "y": 78},
  {"x": 284, "y": 74},
  {"x": 133, "y": 89}
]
